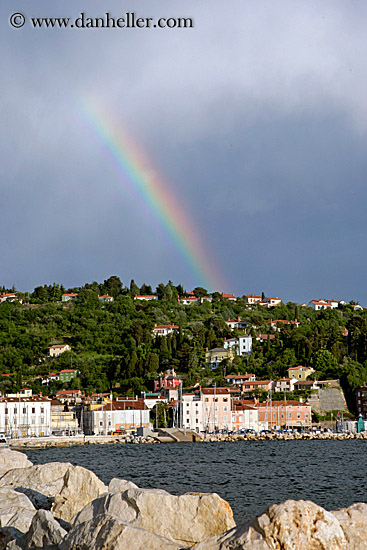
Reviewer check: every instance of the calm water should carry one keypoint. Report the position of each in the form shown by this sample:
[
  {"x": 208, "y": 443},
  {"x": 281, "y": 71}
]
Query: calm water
[{"x": 250, "y": 475}]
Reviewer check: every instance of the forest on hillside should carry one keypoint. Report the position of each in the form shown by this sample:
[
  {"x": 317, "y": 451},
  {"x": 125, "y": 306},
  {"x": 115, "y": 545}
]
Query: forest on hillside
[{"x": 113, "y": 347}]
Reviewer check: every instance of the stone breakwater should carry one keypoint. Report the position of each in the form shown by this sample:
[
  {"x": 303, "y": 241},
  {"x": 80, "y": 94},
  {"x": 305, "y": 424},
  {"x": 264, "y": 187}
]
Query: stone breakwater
[
  {"x": 60, "y": 506},
  {"x": 45, "y": 442}
]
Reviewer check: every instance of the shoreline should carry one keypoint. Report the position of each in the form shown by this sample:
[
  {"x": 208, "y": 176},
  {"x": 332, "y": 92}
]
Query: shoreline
[{"x": 69, "y": 441}]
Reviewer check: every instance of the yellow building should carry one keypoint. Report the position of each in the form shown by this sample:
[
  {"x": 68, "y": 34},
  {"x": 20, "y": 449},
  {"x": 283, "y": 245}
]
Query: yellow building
[{"x": 300, "y": 372}]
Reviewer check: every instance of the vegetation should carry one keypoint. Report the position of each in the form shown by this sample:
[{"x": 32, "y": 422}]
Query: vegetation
[{"x": 113, "y": 348}]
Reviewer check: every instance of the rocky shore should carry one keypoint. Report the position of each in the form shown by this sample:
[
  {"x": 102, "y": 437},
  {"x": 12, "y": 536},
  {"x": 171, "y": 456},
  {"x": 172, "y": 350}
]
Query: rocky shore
[
  {"x": 60, "y": 506},
  {"x": 45, "y": 442}
]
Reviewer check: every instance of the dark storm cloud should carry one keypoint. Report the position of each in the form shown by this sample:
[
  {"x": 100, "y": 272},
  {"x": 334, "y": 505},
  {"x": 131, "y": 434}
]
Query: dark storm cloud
[{"x": 255, "y": 118}]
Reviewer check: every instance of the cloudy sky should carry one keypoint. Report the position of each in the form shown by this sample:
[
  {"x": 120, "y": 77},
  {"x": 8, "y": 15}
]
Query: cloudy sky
[{"x": 254, "y": 122}]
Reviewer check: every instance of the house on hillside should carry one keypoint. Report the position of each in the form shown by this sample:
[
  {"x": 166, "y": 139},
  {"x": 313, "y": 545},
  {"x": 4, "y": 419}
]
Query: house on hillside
[
  {"x": 236, "y": 324},
  {"x": 271, "y": 301},
  {"x": 164, "y": 330},
  {"x": 146, "y": 297},
  {"x": 239, "y": 379},
  {"x": 317, "y": 305},
  {"x": 167, "y": 381},
  {"x": 241, "y": 345},
  {"x": 57, "y": 349},
  {"x": 66, "y": 375},
  {"x": 300, "y": 372},
  {"x": 252, "y": 298},
  {"x": 230, "y": 297},
  {"x": 215, "y": 356},
  {"x": 105, "y": 298},
  {"x": 69, "y": 297},
  {"x": 10, "y": 297}
]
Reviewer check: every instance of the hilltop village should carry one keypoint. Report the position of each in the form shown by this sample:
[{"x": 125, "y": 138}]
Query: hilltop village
[{"x": 108, "y": 359}]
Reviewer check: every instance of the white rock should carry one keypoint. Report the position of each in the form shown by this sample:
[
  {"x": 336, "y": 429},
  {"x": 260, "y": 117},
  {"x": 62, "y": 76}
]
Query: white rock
[
  {"x": 45, "y": 532},
  {"x": 353, "y": 521},
  {"x": 65, "y": 488},
  {"x": 16, "y": 510},
  {"x": 12, "y": 459},
  {"x": 187, "y": 519},
  {"x": 107, "y": 532},
  {"x": 80, "y": 487}
]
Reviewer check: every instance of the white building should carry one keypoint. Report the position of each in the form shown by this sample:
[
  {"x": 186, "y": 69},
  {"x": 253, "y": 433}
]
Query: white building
[
  {"x": 69, "y": 297},
  {"x": 236, "y": 323},
  {"x": 241, "y": 345},
  {"x": 285, "y": 384},
  {"x": 244, "y": 417},
  {"x": 192, "y": 412},
  {"x": 164, "y": 330},
  {"x": 146, "y": 297},
  {"x": 126, "y": 414},
  {"x": 25, "y": 416},
  {"x": 317, "y": 305}
]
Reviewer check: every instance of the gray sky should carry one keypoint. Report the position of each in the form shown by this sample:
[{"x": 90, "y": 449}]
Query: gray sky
[{"x": 255, "y": 120}]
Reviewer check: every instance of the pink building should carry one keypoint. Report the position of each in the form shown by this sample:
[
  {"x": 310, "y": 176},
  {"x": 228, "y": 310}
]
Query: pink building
[
  {"x": 287, "y": 414},
  {"x": 167, "y": 381},
  {"x": 251, "y": 385},
  {"x": 217, "y": 408}
]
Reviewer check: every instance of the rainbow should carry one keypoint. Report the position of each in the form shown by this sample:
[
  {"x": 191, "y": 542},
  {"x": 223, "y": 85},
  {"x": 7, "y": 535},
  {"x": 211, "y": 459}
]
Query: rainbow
[{"x": 148, "y": 189}]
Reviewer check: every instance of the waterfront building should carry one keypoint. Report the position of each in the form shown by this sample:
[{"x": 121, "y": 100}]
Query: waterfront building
[
  {"x": 125, "y": 414},
  {"x": 192, "y": 411},
  {"x": 361, "y": 398},
  {"x": 146, "y": 297},
  {"x": 244, "y": 416},
  {"x": 63, "y": 420},
  {"x": 216, "y": 409},
  {"x": 25, "y": 416},
  {"x": 285, "y": 414}
]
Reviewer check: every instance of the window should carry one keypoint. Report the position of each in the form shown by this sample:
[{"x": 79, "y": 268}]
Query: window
[
  {"x": 42, "y": 410},
  {"x": 215, "y": 408},
  {"x": 197, "y": 421},
  {"x": 298, "y": 415},
  {"x": 15, "y": 410},
  {"x": 225, "y": 399},
  {"x": 33, "y": 410},
  {"x": 306, "y": 415},
  {"x": 6, "y": 410},
  {"x": 24, "y": 410},
  {"x": 225, "y": 408},
  {"x": 290, "y": 415},
  {"x": 101, "y": 423}
]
